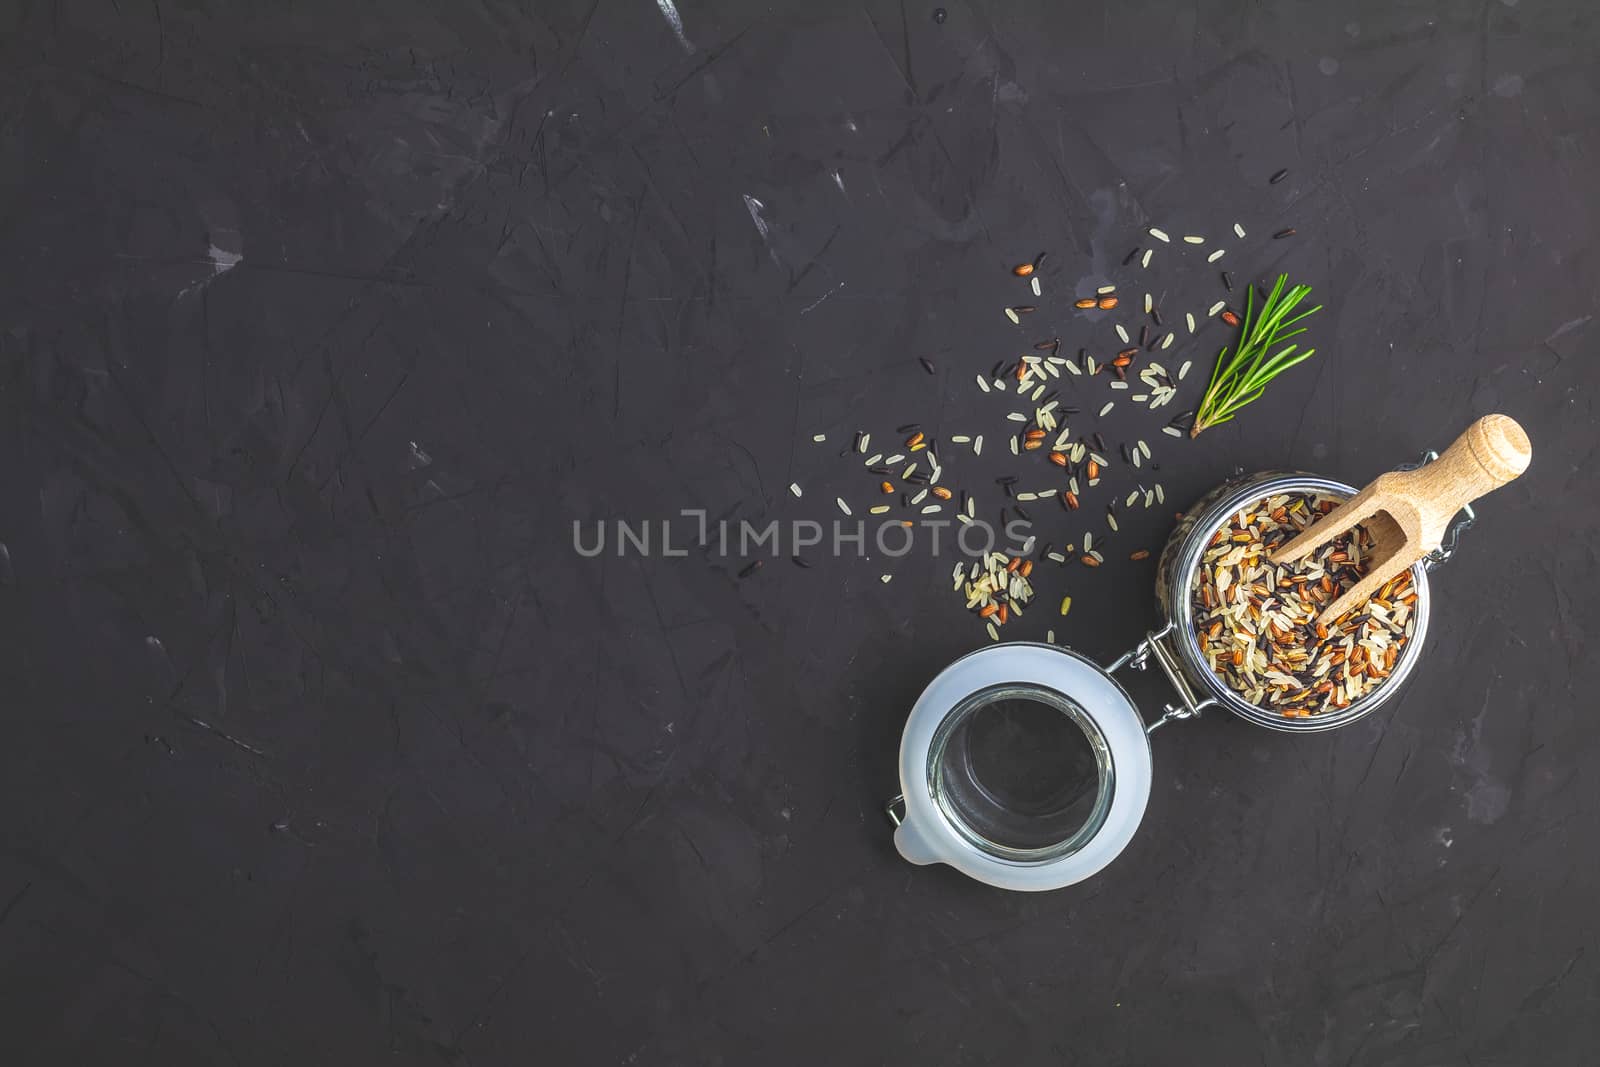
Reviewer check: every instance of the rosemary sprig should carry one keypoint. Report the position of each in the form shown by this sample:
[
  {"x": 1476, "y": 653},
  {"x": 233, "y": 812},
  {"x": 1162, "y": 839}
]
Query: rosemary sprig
[{"x": 1242, "y": 376}]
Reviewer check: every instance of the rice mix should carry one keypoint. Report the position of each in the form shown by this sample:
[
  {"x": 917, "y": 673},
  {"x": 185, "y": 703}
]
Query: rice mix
[{"x": 1256, "y": 622}]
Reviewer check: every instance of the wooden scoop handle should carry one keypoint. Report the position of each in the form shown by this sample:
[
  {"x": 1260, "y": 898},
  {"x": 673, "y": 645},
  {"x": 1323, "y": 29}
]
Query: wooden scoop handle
[
  {"x": 1491, "y": 452},
  {"x": 1416, "y": 506}
]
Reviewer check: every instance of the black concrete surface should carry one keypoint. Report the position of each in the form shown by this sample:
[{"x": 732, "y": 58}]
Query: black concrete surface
[{"x": 321, "y": 323}]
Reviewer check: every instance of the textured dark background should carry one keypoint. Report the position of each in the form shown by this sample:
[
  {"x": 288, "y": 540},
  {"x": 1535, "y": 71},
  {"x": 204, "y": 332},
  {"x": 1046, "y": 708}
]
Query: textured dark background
[{"x": 320, "y": 323}]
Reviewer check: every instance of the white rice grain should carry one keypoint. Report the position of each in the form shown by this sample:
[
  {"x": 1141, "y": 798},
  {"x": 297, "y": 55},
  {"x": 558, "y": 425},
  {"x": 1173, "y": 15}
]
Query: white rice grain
[
  {"x": 1144, "y": 260},
  {"x": 1189, "y": 315},
  {"x": 1122, "y": 333},
  {"x": 1238, "y": 230},
  {"x": 1218, "y": 254},
  {"x": 842, "y": 505},
  {"x": 1185, "y": 368},
  {"x": 1036, "y": 290},
  {"x": 794, "y": 487},
  {"x": 1106, "y": 410},
  {"x": 1218, "y": 306},
  {"x": 1166, "y": 342},
  {"x": 1012, "y": 315},
  {"x": 1159, "y": 235}
]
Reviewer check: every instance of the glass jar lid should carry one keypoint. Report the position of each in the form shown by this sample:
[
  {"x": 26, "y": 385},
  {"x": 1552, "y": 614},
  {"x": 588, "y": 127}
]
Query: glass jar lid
[{"x": 1024, "y": 766}]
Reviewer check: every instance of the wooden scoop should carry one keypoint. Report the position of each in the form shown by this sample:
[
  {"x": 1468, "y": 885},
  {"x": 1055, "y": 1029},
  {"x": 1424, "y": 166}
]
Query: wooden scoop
[{"x": 1407, "y": 512}]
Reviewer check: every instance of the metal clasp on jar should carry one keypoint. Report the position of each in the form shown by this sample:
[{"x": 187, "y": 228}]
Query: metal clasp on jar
[{"x": 1157, "y": 645}]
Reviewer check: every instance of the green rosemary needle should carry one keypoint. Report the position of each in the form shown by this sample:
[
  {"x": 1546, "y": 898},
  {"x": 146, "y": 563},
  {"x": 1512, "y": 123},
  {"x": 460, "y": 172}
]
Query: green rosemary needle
[{"x": 1242, "y": 376}]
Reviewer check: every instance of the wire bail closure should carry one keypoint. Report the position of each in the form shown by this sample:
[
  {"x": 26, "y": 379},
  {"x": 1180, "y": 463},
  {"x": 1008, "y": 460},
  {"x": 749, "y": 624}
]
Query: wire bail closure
[{"x": 1156, "y": 644}]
